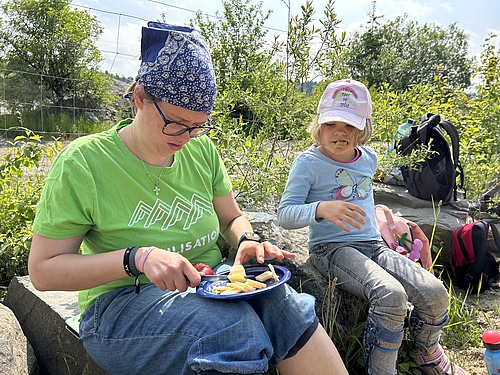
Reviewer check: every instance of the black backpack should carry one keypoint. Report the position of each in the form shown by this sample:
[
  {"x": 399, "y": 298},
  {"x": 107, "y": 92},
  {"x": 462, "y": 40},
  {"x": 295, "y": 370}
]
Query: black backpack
[
  {"x": 436, "y": 177},
  {"x": 472, "y": 264}
]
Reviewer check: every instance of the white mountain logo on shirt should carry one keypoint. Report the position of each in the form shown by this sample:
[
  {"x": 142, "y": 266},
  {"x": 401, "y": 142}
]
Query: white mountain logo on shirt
[{"x": 180, "y": 209}]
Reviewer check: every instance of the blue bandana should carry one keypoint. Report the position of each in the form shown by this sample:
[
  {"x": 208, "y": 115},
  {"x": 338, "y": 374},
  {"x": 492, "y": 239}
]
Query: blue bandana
[{"x": 176, "y": 67}]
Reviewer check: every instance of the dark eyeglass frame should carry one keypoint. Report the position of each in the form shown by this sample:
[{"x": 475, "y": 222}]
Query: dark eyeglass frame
[{"x": 201, "y": 130}]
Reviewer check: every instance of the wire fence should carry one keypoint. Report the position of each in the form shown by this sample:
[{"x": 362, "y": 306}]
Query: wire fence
[
  {"x": 24, "y": 103},
  {"x": 23, "y": 96}
]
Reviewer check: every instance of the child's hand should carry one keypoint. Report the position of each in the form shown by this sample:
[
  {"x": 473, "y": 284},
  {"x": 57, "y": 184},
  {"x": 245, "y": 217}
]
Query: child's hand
[{"x": 339, "y": 212}]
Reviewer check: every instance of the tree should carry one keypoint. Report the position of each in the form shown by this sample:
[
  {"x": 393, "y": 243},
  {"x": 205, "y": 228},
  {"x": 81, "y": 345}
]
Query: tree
[
  {"x": 312, "y": 51},
  {"x": 52, "y": 46},
  {"x": 237, "y": 40},
  {"x": 403, "y": 53}
]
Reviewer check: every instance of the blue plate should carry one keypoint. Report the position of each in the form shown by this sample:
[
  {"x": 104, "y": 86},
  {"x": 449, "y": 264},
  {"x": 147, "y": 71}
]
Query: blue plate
[{"x": 205, "y": 288}]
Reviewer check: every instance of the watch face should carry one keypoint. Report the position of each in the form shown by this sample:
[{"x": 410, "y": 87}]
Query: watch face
[
  {"x": 248, "y": 236},
  {"x": 251, "y": 236}
]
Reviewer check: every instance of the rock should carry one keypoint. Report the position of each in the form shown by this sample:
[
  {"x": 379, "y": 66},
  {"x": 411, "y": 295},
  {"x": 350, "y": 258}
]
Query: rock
[
  {"x": 42, "y": 317},
  {"x": 16, "y": 353}
]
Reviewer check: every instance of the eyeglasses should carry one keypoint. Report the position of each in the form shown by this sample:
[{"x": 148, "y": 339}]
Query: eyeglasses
[{"x": 172, "y": 128}]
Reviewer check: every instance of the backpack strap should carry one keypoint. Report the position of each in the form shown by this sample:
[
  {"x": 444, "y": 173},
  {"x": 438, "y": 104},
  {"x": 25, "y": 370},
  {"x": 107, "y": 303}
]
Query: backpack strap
[
  {"x": 424, "y": 129},
  {"x": 451, "y": 130},
  {"x": 496, "y": 236},
  {"x": 390, "y": 224},
  {"x": 455, "y": 140},
  {"x": 474, "y": 271}
]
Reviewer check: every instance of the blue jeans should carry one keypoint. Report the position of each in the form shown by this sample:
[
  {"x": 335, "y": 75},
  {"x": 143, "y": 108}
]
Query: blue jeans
[
  {"x": 162, "y": 332},
  {"x": 388, "y": 281}
]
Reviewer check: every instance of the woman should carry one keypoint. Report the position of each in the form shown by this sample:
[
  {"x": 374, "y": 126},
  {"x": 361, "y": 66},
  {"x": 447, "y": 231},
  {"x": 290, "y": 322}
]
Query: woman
[{"x": 145, "y": 201}]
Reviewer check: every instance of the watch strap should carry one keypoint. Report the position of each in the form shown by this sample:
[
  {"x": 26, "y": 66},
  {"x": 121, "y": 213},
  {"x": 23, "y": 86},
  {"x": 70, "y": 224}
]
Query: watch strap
[{"x": 248, "y": 237}]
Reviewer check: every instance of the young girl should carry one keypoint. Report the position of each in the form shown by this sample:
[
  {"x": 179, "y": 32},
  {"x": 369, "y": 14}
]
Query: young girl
[{"x": 330, "y": 189}]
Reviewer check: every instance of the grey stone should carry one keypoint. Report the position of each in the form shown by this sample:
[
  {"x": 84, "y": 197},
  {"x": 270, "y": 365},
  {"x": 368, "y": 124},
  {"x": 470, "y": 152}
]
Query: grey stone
[
  {"x": 16, "y": 353},
  {"x": 42, "y": 317}
]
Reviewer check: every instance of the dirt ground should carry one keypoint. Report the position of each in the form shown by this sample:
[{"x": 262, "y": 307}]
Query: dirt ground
[{"x": 489, "y": 310}]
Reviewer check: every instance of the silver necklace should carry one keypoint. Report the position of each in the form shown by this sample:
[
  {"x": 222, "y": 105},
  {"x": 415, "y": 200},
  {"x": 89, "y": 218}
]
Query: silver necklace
[{"x": 156, "y": 188}]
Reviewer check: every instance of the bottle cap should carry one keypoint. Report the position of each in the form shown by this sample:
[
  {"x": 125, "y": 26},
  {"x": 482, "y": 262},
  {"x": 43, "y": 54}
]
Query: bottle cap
[{"x": 491, "y": 339}]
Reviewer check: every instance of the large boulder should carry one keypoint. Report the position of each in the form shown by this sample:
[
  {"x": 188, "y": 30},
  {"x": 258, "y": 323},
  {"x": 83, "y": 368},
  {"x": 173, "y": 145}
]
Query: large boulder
[
  {"x": 16, "y": 353},
  {"x": 42, "y": 316}
]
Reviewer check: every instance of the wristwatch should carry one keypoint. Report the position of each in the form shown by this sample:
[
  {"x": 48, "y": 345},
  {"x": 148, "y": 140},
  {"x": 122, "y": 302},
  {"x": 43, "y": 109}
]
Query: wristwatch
[{"x": 248, "y": 236}]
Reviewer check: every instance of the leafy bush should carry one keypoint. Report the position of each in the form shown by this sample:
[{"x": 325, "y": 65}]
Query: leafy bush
[{"x": 22, "y": 175}]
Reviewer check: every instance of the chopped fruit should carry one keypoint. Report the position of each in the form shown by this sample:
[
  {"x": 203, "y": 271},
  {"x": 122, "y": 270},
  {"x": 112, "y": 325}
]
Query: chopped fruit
[
  {"x": 275, "y": 277},
  {"x": 239, "y": 283},
  {"x": 264, "y": 276},
  {"x": 256, "y": 284},
  {"x": 237, "y": 270},
  {"x": 236, "y": 277}
]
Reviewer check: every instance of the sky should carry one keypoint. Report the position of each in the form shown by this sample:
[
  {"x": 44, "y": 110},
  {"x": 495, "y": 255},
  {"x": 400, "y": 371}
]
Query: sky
[{"x": 122, "y": 20}]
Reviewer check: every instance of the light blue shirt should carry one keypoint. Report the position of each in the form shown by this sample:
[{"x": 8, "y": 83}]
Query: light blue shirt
[{"x": 314, "y": 178}]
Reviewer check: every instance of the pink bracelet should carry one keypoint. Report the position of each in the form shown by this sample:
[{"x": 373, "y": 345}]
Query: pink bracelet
[{"x": 144, "y": 255}]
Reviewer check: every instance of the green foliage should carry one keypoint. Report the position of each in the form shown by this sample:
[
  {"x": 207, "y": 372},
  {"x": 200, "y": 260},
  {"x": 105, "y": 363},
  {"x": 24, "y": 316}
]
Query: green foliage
[
  {"x": 253, "y": 82},
  {"x": 62, "y": 124},
  {"x": 403, "y": 53},
  {"x": 478, "y": 123},
  {"x": 22, "y": 175},
  {"x": 462, "y": 330},
  {"x": 50, "y": 54},
  {"x": 258, "y": 167},
  {"x": 237, "y": 42}
]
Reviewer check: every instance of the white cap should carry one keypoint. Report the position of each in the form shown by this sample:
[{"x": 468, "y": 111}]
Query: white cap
[{"x": 347, "y": 101}]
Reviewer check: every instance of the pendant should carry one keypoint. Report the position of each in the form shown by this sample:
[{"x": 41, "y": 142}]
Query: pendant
[{"x": 156, "y": 189}]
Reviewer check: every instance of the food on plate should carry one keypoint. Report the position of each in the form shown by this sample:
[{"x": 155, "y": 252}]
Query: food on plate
[
  {"x": 275, "y": 277},
  {"x": 256, "y": 284},
  {"x": 236, "y": 277},
  {"x": 237, "y": 270},
  {"x": 264, "y": 276},
  {"x": 238, "y": 282}
]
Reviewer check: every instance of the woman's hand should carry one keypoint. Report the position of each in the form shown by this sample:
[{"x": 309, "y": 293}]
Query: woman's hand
[
  {"x": 168, "y": 270},
  {"x": 260, "y": 251},
  {"x": 340, "y": 212}
]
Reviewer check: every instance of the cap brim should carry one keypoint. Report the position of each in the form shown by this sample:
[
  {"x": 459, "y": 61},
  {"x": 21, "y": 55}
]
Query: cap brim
[{"x": 341, "y": 116}]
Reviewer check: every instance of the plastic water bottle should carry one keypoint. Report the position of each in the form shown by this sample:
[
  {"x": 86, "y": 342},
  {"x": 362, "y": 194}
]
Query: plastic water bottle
[
  {"x": 491, "y": 352},
  {"x": 402, "y": 129}
]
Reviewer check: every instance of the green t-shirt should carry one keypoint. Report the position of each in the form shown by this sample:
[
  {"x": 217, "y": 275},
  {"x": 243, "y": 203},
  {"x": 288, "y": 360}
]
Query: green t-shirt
[{"x": 98, "y": 187}]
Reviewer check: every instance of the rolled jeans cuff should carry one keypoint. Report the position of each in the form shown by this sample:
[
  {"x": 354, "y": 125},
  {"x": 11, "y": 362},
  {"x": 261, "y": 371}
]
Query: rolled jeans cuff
[{"x": 303, "y": 339}]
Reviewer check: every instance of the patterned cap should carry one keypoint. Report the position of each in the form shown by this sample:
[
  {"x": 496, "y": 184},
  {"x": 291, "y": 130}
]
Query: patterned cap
[
  {"x": 176, "y": 67},
  {"x": 347, "y": 101}
]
